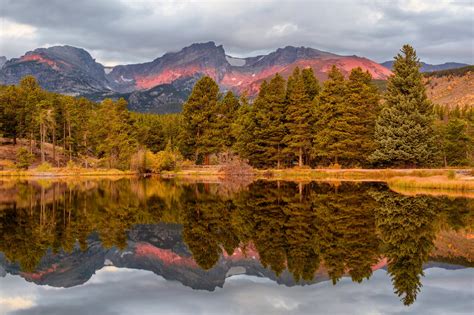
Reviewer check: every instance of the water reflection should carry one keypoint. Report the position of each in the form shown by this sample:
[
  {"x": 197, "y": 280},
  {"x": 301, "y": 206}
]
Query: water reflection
[{"x": 311, "y": 231}]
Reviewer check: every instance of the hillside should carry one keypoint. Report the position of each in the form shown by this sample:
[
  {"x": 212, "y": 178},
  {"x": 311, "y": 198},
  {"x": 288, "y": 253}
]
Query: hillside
[
  {"x": 426, "y": 67},
  {"x": 451, "y": 87}
]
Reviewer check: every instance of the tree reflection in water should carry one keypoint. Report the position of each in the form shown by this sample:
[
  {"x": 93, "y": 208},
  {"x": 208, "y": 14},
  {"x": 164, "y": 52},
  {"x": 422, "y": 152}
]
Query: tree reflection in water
[{"x": 342, "y": 229}]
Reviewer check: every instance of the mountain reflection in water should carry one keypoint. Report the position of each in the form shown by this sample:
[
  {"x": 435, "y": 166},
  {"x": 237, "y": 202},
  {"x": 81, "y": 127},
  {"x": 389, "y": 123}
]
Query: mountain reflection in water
[{"x": 60, "y": 233}]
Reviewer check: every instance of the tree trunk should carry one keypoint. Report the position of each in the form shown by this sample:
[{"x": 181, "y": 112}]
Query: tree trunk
[
  {"x": 300, "y": 157},
  {"x": 54, "y": 146},
  {"x": 196, "y": 153},
  {"x": 64, "y": 137},
  {"x": 31, "y": 142},
  {"x": 69, "y": 140},
  {"x": 42, "y": 142},
  {"x": 278, "y": 157},
  {"x": 85, "y": 149},
  {"x": 300, "y": 190}
]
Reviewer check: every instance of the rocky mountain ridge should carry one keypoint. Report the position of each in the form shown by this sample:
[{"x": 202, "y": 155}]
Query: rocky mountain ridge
[{"x": 163, "y": 84}]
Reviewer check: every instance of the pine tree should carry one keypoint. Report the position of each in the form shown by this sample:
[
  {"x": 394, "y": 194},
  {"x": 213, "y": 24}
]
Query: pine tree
[
  {"x": 221, "y": 122},
  {"x": 404, "y": 129},
  {"x": 361, "y": 111},
  {"x": 275, "y": 112},
  {"x": 114, "y": 135},
  {"x": 332, "y": 128},
  {"x": 10, "y": 105},
  {"x": 243, "y": 129},
  {"x": 311, "y": 84},
  {"x": 299, "y": 116},
  {"x": 197, "y": 112},
  {"x": 458, "y": 144},
  {"x": 407, "y": 229},
  {"x": 269, "y": 130}
]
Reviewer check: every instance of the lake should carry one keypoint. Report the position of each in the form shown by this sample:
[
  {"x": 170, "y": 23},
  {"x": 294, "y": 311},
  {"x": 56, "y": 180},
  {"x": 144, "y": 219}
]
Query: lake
[{"x": 154, "y": 246}]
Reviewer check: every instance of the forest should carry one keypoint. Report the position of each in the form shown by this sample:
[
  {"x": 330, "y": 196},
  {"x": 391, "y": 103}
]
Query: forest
[{"x": 293, "y": 122}]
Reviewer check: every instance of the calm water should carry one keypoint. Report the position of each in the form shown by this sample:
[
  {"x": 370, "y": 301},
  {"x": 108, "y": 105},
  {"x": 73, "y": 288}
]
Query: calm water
[{"x": 152, "y": 246}]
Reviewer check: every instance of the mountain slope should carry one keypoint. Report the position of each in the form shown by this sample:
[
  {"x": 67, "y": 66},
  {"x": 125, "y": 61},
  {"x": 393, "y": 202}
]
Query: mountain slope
[
  {"x": 3, "y": 60},
  {"x": 62, "y": 69},
  {"x": 451, "y": 87},
  {"x": 162, "y": 85},
  {"x": 238, "y": 74},
  {"x": 426, "y": 67}
]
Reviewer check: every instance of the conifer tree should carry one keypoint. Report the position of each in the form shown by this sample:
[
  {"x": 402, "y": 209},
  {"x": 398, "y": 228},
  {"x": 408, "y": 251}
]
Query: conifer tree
[
  {"x": 311, "y": 84},
  {"x": 275, "y": 111},
  {"x": 115, "y": 137},
  {"x": 361, "y": 112},
  {"x": 243, "y": 129},
  {"x": 457, "y": 144},
  {"x": 197, "y": 112},
  {"x": 332, "y": 135},
  {"x": 299, "y": 114},
  {"x": 404, "y": 129},
  {"x": 269, "y": 111},
  {"x": 221, "y": 122},
  {"x": 407, "y": 228}
]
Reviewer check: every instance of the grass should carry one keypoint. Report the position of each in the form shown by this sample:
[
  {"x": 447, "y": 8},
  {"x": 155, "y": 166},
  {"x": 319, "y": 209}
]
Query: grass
[
  {"x": 348, "y": 174},
  {"x": 409, "y": 191},
  {"x": 59, "y": 172},
  {"x": 433, "y": 182}
]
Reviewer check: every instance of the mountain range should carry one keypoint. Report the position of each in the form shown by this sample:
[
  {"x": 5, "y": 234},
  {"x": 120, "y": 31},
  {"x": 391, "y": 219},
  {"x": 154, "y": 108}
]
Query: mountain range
[
  {"x": 426, "y": 67},
  {"x": 162, "y": 85}
]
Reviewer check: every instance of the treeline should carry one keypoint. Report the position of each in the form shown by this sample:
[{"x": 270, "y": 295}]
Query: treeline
[
  {"x": 295, "y": 122},
  {"x": 343, "y": 122},
  {"x": 457, "y": 72},
  {"x": 92, "y": 134}
]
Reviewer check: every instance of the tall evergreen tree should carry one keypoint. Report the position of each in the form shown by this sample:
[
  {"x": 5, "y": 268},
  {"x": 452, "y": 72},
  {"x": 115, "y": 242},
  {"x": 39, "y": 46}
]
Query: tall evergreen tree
[
  {"x": 457, "y": 144},
  {"x": 311, "y": 84},
  {"x": 299, "y": 116},
  {"x": 114, "y": 135},
  {"x": 404, "y": 129},
  {"x": 197, "y": 112},
  {"x": 269, "y": 129},
  {"x": 407, "y": 229},
  {"x": 362, "y": 101},
  {"x": 332, "y": 135},
  {"x": 243, "y": 129},
  {"x": 221, "y": 122}
]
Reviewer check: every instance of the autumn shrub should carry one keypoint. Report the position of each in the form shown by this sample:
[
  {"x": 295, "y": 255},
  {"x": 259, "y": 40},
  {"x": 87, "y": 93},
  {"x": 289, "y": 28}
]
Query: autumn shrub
[
  {"x": 24, "y": 158},
  {"x": 142, "y": 161},
  {"x": 170, "y": 159},
  {"x": 44, "y": 167}
]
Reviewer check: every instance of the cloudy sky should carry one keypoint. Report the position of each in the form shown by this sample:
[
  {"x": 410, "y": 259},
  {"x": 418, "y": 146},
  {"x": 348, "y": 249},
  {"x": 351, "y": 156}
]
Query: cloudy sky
[
  {"x": 129, "y": 31},
  {"x": 443, "y": 292}
]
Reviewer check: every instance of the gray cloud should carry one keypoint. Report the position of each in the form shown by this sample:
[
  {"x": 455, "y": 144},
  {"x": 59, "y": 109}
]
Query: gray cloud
[
  {"x": 141, "y": 30},
  {"x": 126, "y": 291}
]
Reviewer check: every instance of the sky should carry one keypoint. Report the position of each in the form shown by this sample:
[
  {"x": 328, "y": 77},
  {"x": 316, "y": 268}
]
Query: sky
[
  {"x": 131, "y": 31},
  {"x": 443, "y": 292}
]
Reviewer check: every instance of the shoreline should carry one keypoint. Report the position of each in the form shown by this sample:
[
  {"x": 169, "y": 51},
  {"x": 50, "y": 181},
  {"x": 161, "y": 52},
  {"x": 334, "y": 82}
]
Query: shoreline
[{"x": 461, "y": 179}]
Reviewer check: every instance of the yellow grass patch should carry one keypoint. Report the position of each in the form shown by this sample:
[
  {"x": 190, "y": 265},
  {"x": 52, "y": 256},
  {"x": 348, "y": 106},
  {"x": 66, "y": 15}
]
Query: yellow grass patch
[{"x": 432, "y": 182}]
